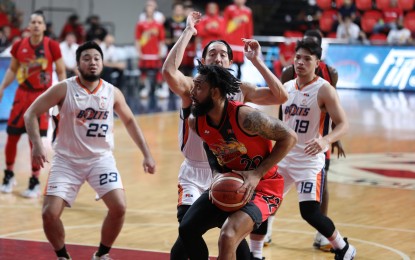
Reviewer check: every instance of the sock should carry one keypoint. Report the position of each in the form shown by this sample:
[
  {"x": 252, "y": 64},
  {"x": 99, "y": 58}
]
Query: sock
[
  {"x": 102, "y": 250},
  {"x": 338, "y": 241},
  {"x": 256, "y": 247},
  {"x": 62, "y": 252},
  {"x": 269, "y": 228}
]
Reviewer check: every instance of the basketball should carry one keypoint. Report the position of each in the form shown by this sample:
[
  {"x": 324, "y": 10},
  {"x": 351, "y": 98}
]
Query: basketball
[{"x": 223, "y": 192}]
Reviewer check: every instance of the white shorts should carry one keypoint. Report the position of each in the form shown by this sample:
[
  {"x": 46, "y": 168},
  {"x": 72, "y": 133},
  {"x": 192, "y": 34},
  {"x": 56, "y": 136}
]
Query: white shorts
[
  {"x": 308, "y": 180},
  {"x": 67, "y": 176},
  {"x": 194, "y": 179}
]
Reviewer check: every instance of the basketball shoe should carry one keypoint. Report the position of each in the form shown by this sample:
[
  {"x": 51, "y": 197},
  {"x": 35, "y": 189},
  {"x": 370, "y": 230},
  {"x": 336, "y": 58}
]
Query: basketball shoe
[
  {"x": 267, "y": 240},
  {"x": 103, "y": 257},
  {"x": 64, "y": 258},
  {"x": 347, "y": 253},
  {"x": 322, "y": 243},
  {"x": 33, "y": 191},
  {"x": 8, "y": 182}
]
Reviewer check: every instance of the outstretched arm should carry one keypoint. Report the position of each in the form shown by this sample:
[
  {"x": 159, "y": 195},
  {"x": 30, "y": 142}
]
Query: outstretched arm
[
  {"x": 177, "y": 81},
  {"x": 275, "y": 93},
  {"x": 127, "y": 117}
]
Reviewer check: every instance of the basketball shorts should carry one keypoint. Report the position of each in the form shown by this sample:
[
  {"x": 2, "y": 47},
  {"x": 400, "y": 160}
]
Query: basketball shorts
[
  {"x": 22, "y": 100},
  {"x": 267, "y": 199},
  {"x": 307, "y": 180},
  {"x": 66, "y": 177},
  {"x": 194, "y": 179}
]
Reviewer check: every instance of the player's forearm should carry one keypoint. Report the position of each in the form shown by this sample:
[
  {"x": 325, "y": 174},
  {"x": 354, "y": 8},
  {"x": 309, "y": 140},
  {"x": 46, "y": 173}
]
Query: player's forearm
[
  {"x": 274, "y": 84},
  {"x": 8, "y": 79},
  {"x": 176, "y": 54},
  {"x": 337, "y": 133},
  {"x": 136, "y": 134},
  {"x": 32, "y": 127}
]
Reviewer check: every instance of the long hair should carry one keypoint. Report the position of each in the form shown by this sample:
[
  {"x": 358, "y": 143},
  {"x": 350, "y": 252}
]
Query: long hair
[{"x": 219, "y": 77}]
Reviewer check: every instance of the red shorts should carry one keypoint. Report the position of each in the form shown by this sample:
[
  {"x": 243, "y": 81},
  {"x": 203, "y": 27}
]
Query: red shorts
[
  {"x": 22, "y": 100},
  {"x": 149, "y": 64},
  {"x": 267, "y": 198}
]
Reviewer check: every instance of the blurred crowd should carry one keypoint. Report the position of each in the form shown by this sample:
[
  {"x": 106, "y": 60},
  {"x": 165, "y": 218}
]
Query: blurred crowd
[{"x": 371, "y": 22}]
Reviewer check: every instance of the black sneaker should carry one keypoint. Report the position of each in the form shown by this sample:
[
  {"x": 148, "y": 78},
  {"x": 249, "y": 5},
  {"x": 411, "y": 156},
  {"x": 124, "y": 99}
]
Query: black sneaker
[
  {"x": 256, "y": 258},
  {"x": 347, "y": 253},
  {"x": 33, "y": 191},
  {"x": 8, "y": 182}
]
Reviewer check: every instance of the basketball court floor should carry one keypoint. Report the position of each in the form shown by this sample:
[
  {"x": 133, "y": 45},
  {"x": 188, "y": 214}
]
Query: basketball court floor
[{"x": 372, "y": 190}]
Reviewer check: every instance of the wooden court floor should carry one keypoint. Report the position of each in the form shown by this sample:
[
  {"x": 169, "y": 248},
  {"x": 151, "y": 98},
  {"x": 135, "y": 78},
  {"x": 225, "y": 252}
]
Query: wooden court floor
[{"x": 372, "y": 191}]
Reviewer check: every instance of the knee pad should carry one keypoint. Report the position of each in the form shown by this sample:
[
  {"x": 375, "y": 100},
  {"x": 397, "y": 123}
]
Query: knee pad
[{"x": 262, "y": 229}]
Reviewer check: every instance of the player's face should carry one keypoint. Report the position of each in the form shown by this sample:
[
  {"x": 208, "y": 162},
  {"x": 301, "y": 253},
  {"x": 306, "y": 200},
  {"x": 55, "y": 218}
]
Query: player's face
[
  {"x": 201, "y": 96},
  {"x": 217, "y": 54},
  {"x": 90, "y": 65},
  {"x": 37, "y": 25},
  {"x": 305, "y": 63}
]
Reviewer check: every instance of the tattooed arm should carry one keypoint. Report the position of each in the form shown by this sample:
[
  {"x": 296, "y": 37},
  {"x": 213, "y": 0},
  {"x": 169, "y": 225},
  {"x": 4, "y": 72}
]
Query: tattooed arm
[{"x": 258, "y": 123}]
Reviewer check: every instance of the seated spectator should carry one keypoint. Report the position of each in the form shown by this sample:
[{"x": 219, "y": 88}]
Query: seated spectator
[
  {"x": 392, "y": 16},
  {"x": 399, "y": 36},
  {"x": 113, "y": 66},
  {"x": 157, "y": 16},
  {"x": 68, "y": 49},
  {"x": 50, "y": 32},
  {"x": 347, "y": 30},
  {"x": 95, "y": 31},
  {"x": 308, "y": 18},
  {"x": 348, "y": 9},
  {"x": 73, "y": 25},
  {"x": 4, "y": 41}
]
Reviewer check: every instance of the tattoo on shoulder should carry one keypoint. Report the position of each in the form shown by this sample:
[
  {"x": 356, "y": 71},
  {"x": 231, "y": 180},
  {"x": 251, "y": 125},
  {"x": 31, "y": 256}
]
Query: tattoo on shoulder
[{"x": 266, "y": 126}]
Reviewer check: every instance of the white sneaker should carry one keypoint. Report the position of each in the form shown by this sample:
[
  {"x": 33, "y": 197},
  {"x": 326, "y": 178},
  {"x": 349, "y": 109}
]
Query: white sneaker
[
  {"x": 267, "y": 240},
  {"x": 144, "y": 92},
  {"x": 347, "y": 253},
  {"x": 33, "y": 191},
  {"x": 103, "y": 257},
  {"x": 163, "y": 92},
  {"x": 64, "y": 258},
  {"x": 7, "y": 186},
  {"x": 322, "y": 243}
]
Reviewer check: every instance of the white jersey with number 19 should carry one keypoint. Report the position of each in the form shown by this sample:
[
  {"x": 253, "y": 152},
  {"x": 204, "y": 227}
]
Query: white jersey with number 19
[{"x": 86, "y": 121}]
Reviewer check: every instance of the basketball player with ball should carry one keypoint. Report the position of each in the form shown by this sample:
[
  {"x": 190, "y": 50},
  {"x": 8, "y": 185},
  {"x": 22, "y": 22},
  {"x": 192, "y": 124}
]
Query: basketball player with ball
[{"x": 237, "y": 139}]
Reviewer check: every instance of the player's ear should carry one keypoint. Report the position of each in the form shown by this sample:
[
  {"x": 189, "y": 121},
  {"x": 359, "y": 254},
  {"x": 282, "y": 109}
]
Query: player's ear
[{"x": 203, "y": 61}]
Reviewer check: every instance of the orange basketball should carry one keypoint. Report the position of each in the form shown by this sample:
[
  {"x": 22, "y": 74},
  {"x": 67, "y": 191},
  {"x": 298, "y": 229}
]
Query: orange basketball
[{"x": 223, "y": 192}]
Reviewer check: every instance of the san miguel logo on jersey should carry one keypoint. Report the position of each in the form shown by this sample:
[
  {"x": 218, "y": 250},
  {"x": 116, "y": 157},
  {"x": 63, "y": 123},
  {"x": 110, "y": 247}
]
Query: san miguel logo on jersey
[
  {"x": 91, "y": 114},
  {"x": 227, "y": 151}
]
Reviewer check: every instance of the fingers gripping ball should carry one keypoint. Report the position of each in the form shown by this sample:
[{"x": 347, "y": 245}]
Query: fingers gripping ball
[{"x": 223, "y": 192}]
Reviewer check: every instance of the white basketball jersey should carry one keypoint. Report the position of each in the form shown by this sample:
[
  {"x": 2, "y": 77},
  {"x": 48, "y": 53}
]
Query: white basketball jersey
[
  {"x": 85, "y": 126},
  {"x": 302, "y": 113},
  {"x": 190, "y": 143}
]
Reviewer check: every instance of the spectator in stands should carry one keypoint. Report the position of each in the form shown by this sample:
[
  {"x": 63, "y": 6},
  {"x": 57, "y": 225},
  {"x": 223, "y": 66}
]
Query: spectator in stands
[
  {"x": 239, "y": 24},
  {"x": 157, "y": 16},
  {"x": 348, "y": 30},
  {"x": 175, "y": 24},
  {"x": 211, "y": 27},
  {"x": 95, "y": 31},
  {"x": 113, "y": 65},
  {"x": 4, "y": 41},
  {"x": 68, "y": 50},
  {"x": 9, "y": 7},
  {"x": 399, "y": 36},
  {"x": 392, "y": 16},
  {"x": 348, "y": 9},
  {"x": 286, "y": 56},
  {"x": 308, "y": 17},
  {"x": 149, "y": 36},
  {"x": 73, "y": 25},
  {"x": 50, "y": 32}
]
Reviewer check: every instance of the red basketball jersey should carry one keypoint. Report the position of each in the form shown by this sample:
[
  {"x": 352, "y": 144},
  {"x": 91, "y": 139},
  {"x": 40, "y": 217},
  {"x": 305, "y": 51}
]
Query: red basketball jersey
[
  {"x": 232, "y": 148},
  {"x": 36, "y": 62}
]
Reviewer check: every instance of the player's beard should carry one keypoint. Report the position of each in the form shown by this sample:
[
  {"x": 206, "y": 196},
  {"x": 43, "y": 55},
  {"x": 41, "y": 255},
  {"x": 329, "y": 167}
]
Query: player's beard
[
  {"x": 202, "y": 108},
  {"x": 90, "y": 77}
]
